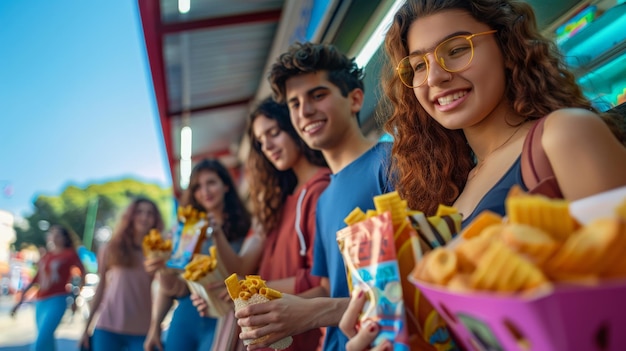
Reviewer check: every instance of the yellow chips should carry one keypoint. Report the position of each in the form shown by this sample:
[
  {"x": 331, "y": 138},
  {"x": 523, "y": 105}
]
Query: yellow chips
[
  {"x": 154, "y": 242},
  {"x": 201, "y": 265},
  {"x": 548, "y": 214},
  {"x": 539, "y": 243},
  {"x": 246, "y": 288}
]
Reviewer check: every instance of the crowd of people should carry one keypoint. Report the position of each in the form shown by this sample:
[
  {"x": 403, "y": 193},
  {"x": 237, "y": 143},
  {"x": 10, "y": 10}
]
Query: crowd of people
[{"x": 465, "y": 81}]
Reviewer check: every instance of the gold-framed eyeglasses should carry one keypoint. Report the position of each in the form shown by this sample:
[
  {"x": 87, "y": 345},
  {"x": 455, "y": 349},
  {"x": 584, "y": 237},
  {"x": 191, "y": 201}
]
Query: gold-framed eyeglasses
[{"x": 453, "y": 55}]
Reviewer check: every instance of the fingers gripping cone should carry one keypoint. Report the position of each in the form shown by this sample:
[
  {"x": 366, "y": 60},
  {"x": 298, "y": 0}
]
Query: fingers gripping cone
[
  {"x": 202, "y": 272},
  {"x": 251, "y": 291}
]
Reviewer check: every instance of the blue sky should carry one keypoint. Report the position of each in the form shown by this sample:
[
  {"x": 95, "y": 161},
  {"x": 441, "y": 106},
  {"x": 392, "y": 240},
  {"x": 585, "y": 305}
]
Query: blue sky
[{"x": 76, "y": 99}]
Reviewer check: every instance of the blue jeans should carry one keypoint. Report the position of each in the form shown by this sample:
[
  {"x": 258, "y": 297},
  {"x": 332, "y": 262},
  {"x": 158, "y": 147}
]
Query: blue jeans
[
  {"x": 48, "y": 314},
  {"x": 188, "y": 331},
  {"x": 103, "y": 340}
]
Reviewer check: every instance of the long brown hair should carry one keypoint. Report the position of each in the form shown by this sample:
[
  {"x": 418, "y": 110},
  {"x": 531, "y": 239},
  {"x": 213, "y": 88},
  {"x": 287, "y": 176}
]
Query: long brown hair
[
  {"x": 122, "y": 245},
  {"x": 236, "y": 216},
  {"x": 269, "y": 187},
  {"x": 432, "y": 163}
]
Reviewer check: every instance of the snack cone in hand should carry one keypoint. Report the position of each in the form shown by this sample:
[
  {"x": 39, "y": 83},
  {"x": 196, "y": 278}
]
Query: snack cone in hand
[
  {"x": 252, "y": 291},
  {"x": 155, "y": 247},
  {"x": 202, "y": 272},
  {"x": 217, "y": 307}
]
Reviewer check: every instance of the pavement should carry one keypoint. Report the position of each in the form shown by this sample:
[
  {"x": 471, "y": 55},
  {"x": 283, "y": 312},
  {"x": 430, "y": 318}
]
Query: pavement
[{"x": 17, "y": 334}]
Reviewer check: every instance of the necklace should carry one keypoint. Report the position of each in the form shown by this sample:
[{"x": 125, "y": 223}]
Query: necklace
[{"x": 480, "y": 163}]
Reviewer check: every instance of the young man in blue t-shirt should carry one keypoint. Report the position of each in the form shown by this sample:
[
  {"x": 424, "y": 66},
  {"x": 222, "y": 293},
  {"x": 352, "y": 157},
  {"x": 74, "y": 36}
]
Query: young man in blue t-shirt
[{"x": 324, "y": 91}]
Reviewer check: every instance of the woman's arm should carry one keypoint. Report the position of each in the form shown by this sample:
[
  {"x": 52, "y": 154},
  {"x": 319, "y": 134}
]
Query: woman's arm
[
  {"x": 23, "y": 295},
  {"x": 162, "y": 304},
  {"x": 171, "y": 284},
  {"x": 586, "y": 157},
  {"x": 247, "y": 261}
]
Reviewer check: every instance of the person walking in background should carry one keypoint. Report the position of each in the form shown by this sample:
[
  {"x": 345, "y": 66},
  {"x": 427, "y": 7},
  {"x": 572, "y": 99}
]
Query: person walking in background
[
  {"x": 53, "y": 275},
  {"x": 123, "y": 299},
  {"x": 212, "y": 190},
  {"x": 323, "y": 90},
  {"x": 471, "y": 79},
  {"x": 286, "y": 178}
]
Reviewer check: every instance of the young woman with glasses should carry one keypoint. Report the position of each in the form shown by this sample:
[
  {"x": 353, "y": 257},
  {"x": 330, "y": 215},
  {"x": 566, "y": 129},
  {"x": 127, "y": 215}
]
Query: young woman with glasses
[{"x": 466, "y": 81}]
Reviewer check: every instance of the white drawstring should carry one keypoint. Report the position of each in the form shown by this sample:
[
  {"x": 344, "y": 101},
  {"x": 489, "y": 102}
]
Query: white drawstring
[{"x": 297, "y": 224}]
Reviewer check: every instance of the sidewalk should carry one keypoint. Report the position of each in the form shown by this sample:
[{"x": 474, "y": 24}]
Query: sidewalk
[{"x": 16, "y": 334}]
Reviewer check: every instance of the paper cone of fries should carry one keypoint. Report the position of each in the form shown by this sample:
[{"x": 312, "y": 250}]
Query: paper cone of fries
[
  {"x": 203, "y": 272},
  {"x": 217, "y": 307},
  {"x": 154, "y": 246},
  {"x": 251, "y": 291}
]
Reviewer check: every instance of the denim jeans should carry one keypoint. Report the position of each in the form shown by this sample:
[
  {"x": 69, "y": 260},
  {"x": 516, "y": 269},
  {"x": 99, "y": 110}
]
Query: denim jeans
[
  {"x": 48, "y": 314},
  {"x": 103, "y": 340},
  {"x": 188, "y": 331}
]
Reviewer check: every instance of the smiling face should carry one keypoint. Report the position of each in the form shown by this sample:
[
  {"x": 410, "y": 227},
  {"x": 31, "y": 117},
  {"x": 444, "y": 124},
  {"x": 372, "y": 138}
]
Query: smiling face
[
  {"x": 461, "y": 99},
  {"x": 318, "y": 111},
  {"x": 210, "y": 191},
  {"x": 277, "y": 146},
  {"x": 144, "y": 219}
]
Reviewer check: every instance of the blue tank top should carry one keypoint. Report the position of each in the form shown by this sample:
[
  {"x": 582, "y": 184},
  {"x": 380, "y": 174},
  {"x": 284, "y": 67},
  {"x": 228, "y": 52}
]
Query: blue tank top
[{"x": 494, "y": 198}]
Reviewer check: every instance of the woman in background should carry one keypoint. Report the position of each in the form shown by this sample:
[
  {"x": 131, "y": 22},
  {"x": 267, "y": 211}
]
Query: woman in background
[
  {"x": 53, "y": 275},
  {"x": 123, "y": 298},
  {"x": 286, "y": 177},
  {"x": 212, "y": 190}
]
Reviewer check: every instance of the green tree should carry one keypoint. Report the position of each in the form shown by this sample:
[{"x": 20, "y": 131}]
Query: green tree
[{"x": 70, "y": 208}]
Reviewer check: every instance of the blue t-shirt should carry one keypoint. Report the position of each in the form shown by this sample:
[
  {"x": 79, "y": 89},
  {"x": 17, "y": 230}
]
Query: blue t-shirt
[
  {"x": 353, "y": 186},
  {"x": 494, "y": 199}
]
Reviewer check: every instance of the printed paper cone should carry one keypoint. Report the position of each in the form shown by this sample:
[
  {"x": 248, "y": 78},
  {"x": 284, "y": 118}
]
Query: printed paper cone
[
  {"x": 256, "y": 298},
  {"x": 217, "y": 307}
]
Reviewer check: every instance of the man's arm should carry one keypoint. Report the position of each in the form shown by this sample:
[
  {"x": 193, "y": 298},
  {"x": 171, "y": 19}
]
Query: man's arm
[{"x": 291, "y": 315}]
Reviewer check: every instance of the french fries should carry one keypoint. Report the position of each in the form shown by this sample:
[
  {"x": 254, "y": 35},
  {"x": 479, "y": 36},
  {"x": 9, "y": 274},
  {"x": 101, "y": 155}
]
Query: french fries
[
  {"x": 154, "y": 246},
  {"x": 201, "y": 265},
  {"x": 201, "y": 273}
]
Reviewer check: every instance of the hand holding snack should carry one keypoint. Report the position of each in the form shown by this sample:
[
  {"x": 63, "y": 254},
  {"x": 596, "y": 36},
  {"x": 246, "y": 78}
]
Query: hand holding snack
[
  {"x": 251, "y": 291},
  {"x": 200, "y": 304},
  {"x": 361, "y": 335},
  {"x": 380, "y": 248},
  {"x": 203, "y": 273}
]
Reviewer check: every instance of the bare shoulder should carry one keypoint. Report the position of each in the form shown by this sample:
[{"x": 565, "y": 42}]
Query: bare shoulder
[
  {"x": 573, "y": 125},
  {"x": 570, "y": 119}
]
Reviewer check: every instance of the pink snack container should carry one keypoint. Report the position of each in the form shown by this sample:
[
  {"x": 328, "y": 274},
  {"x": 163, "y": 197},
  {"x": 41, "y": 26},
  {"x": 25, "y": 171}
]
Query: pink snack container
[{"x": 566, "y": 317}]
